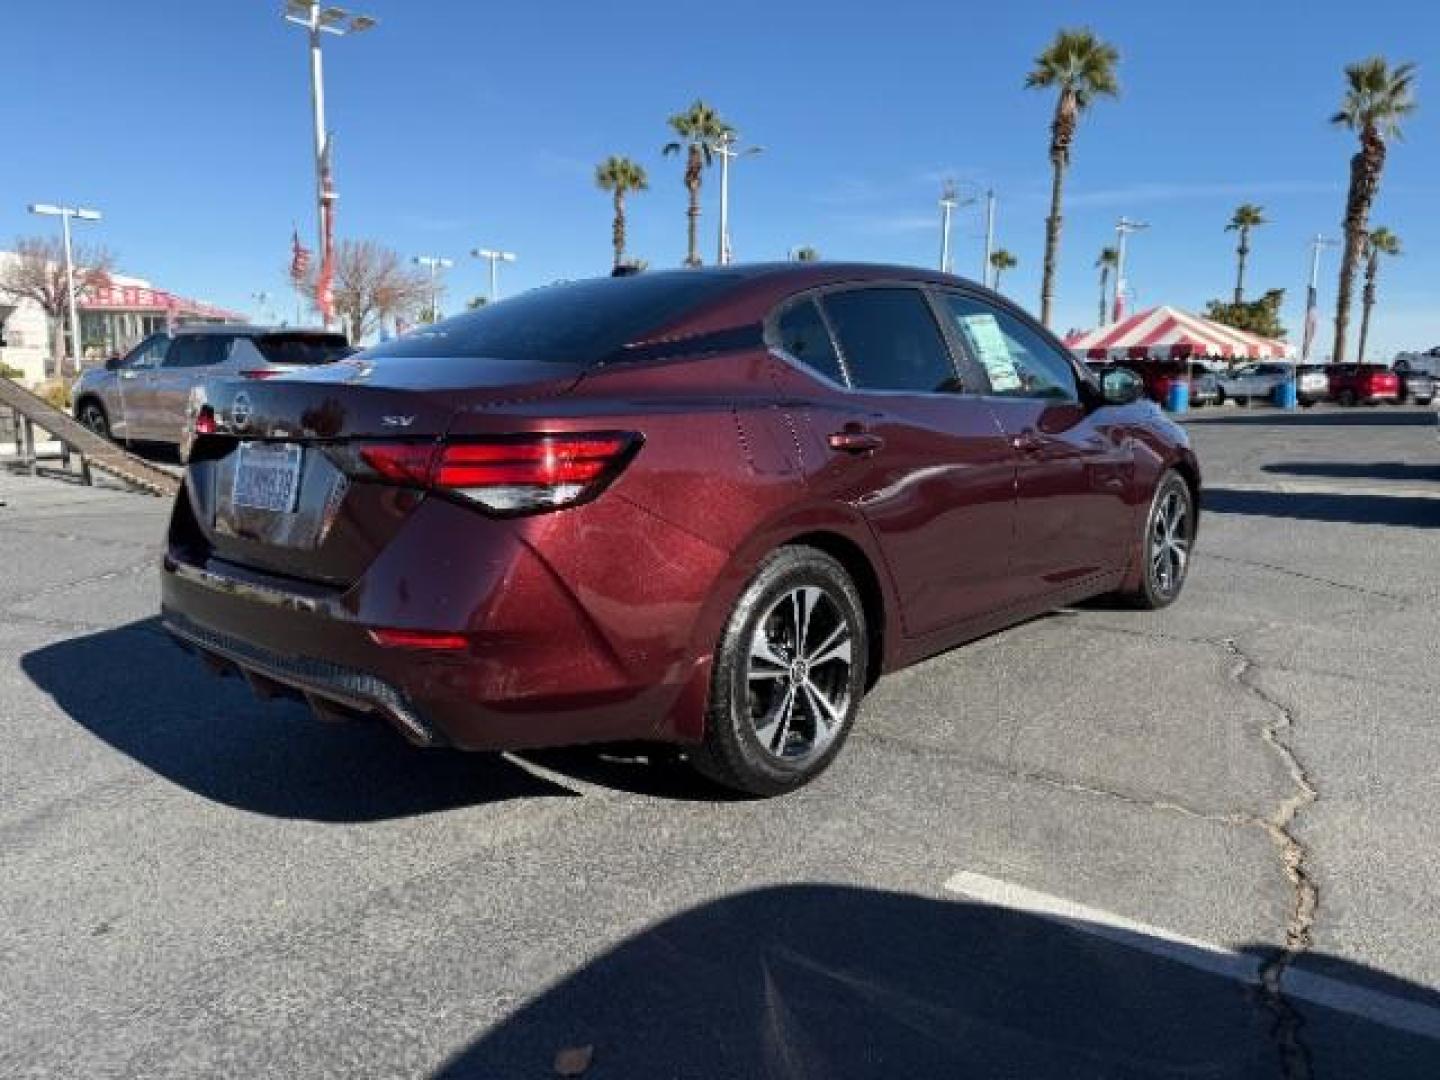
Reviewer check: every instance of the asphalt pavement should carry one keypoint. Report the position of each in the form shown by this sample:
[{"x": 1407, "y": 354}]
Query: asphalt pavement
[{"x": 1199, "y": 842}]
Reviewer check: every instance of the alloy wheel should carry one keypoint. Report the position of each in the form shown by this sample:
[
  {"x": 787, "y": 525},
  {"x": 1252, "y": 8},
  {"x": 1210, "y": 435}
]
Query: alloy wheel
[
  {"x": 797, "y": 674},
  {"x": 94, "y": 419},
  {"x": 1170, "y": 541}
]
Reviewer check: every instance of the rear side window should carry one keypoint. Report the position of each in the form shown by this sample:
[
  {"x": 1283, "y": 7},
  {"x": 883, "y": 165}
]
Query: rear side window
[
  {"x": 584, "y": 322},
  {"x": 890, "y": 340},
  {"x": 198, "y": 350},
  {"x": 803, "y": 335}
]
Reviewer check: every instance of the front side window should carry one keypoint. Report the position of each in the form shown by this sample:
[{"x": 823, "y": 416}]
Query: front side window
[
  {"x": 890, "y": 340},
  {"x": 803, "y": 335},
  {"x": 148, "y": 353},
  {"x": 1019, "y": 362}
]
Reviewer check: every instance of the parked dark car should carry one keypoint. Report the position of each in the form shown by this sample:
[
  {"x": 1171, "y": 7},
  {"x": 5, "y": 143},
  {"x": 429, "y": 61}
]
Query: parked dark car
[
  {"x": 708, "y": 507},
  {"x": 1363, "y": 384}
]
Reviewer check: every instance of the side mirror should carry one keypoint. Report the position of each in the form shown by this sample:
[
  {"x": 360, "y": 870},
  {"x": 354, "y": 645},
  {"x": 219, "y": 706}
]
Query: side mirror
[
  {"x": 112, "y": 363},
  {"x": 1121, "y": 386}
]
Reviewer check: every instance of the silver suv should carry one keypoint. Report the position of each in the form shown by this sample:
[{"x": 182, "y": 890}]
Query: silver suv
[{"x": 143, "y": 396}]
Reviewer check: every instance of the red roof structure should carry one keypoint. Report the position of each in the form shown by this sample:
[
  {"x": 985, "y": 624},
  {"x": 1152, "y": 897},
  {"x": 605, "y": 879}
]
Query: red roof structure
[{"x": 1167, "y": 333}]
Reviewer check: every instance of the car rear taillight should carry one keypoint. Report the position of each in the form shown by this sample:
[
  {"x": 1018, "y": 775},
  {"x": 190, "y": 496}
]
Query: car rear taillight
[
  {"x": 439, "y": 641},
  {"x": 261, "y": 373},
  {"x": 205, "y": 421},
  {"x": 510, "y": 475}
]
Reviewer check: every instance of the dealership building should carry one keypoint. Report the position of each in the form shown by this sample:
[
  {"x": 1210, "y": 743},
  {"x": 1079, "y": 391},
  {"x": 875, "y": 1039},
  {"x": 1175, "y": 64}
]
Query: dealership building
[{"x": 113, "y": 317}]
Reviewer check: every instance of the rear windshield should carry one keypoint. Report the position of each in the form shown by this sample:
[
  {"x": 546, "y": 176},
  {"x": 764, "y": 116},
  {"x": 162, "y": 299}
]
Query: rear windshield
[
  {"x": 583, "y": 322},
  {"x": 299, "y": 348}
]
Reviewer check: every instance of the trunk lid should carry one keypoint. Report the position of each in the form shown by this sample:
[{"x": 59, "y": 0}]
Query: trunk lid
[{"x": 276, "y": 488}]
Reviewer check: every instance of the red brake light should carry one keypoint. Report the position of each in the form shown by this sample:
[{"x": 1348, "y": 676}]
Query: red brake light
[
  {"x": 261, "y": 373},
  {"x": 205, "y": 421},
  {"x": 518, "y": 474},
  {"x": 419, "y": 639}
]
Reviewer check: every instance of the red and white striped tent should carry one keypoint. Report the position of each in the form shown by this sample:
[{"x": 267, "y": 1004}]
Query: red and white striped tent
[{"x": 1167, "y": 333}]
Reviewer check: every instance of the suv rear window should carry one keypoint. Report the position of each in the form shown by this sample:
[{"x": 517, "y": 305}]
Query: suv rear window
[
  {"x": 585, "y": 322},
  {"x": 301, "y": 348}
]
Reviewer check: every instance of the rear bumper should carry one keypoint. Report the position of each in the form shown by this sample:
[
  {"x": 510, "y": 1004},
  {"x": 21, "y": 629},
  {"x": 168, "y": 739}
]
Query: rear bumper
[{"x": 581, "y": 629}]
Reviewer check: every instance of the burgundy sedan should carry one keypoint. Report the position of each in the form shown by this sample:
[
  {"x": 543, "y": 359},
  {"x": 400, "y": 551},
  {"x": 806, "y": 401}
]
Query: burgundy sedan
[{"x": 707, "y": 507}]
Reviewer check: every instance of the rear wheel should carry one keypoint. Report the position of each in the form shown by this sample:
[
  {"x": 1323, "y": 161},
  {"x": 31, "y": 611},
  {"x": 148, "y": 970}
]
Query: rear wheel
[
  {"x": 1167, "y": 544},
  {"x": 788, "y": 678},
  {"x": 92, "y": 415},
  {"x": 1219, "y": 397},
  {"x": 1347, "y": 398}
]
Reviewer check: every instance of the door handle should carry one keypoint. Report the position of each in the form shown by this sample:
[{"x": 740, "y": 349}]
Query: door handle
[
  {"x": 1027, "y": 442},
  {"x": 855, "y": 441}
]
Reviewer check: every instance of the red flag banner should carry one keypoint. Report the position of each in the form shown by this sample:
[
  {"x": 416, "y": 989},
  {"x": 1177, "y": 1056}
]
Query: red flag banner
[{"x": 299, "y": 258}]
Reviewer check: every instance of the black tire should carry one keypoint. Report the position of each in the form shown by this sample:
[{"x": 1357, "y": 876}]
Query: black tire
[
  {"x": 1159, "y": 590},
  {"x": 92, "y": 414},
  {"x": 1219, "y": 398},
  {"x": 1307, "y": 404},
  {"x": 1347, "y": 399},
  {"x": 752, "y": 744}
]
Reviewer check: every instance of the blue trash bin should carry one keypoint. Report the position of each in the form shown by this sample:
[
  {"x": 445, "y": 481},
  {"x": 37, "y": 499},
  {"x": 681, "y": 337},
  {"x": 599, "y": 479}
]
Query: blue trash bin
[
  {"x": 1286, "y": 395},
  {"x": 1177, "y": 396}
]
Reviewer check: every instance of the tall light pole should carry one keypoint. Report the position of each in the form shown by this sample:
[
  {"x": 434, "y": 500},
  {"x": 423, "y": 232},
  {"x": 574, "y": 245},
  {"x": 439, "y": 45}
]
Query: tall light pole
[
  {"x": 65, "y": 213},
  {"x": 950, "y": 200},
  {"x": 989, "y": 236},
  {"x": 319, "y": 20},
  {"x": 1123, "y": 228},
  {"x": 726, "y": 148},
  {"x": 494, "y": 258},
  {"x": 262, "y": 304},
  {"x": 434, "y": 263},
  {"x": 1319, "y": 244}
]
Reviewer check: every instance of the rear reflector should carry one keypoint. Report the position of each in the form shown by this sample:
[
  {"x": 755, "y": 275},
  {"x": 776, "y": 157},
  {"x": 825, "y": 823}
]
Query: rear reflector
[
  {"x": 205, "y": 421},
  {"x": 511, "y": 475},
  {"x": 419, "y": 639}
]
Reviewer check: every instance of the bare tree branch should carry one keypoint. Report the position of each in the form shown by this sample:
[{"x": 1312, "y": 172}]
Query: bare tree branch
[
  {"x": 372, "y": 283},
  {"x": 38, "y": 274}
]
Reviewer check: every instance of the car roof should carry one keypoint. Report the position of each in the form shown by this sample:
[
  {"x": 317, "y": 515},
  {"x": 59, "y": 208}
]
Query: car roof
[{"x": 244, "y": 330}]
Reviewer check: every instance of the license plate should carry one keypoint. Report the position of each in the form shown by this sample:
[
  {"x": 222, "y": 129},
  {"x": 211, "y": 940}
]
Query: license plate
[{"x": 267, "y": 476}]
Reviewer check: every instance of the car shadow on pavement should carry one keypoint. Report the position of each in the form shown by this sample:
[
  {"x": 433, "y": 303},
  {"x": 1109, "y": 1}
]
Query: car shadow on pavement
[
  {"x": 835, "y": 982},
  {"x": 134, "y": 689},
  {"x": 1379, "y": 416},
  {"x": 1359, "y": 470},
  {"x": 1358, "y": 509}
]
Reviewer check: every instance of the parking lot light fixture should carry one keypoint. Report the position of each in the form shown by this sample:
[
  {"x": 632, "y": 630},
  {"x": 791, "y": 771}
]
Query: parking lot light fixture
[
  {"x": 434, "y": 263},
  {"x": 1123, "y": 228},
  {"x": 494, "y": 258},
  {"x": 65, "y": 213}
]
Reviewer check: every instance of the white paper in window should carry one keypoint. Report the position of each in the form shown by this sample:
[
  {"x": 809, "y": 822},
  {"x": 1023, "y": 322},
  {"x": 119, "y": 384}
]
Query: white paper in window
[{"x": 992, "y": 350}]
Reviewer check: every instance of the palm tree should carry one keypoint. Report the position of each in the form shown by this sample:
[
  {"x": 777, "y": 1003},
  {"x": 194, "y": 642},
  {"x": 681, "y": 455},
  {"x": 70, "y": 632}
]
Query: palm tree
[
  {"x": 700, "y": 128},
  {"x": 1000, "y": 261},
  {"x": 1380, "y": 241},
  {"x": 1377, "y": 98},
  {"x": 806, "y": 253},
  {"x": 1082, "y": 68},
  {"x": 620, "y": 176},
  {"x": 1109, "y": 259},
  {"x": 1247, "y": 216}
]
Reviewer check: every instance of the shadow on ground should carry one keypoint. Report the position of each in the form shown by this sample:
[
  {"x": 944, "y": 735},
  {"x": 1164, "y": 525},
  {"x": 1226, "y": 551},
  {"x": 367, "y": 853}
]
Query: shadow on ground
[
  {"x": 1359, "y": 509},
  {"x": 1379, "y": 416},
  {"x": 133, "y": 688},
  {"x": 1359, "y": 470},
  {"x": 837, "y": 982}
]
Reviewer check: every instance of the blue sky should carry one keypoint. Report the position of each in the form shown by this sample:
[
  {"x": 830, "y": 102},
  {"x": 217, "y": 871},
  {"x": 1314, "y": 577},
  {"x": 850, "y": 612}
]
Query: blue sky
[{"x": 464, "y": 124}]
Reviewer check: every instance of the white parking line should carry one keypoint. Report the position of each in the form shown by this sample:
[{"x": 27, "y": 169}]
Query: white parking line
[{"x": 1387, "y": 1010}]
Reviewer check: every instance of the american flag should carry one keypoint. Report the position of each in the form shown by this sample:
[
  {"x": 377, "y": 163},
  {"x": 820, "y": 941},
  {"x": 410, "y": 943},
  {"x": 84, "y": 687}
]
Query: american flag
[{"x": 299, "y": 258}]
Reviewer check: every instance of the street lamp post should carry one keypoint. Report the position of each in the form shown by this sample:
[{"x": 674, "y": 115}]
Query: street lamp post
[
  {"x": 1123, "y": 228},
  {"x": 317, "y": 20},
  {"x": 494, "y": 258},
  {"x": 950, "y": 200},
  {"x": 989, "y": 236},
  {"x": 65, "y": 213},
  {"x": 434, "y": 263},
  {"x": 1319, "y": 244},
  {"x": 726, "y": 149}
]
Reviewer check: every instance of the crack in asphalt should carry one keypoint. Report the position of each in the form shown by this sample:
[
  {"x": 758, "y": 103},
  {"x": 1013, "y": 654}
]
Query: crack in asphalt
[
  {"x": 1294, "y": 856},
  {"x": 1314, "y": 578}
]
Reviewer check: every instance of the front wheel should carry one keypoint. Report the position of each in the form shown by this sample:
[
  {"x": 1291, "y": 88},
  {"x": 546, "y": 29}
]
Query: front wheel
[
  {"x": 1167, "y": 544},
  {"x": 788, "y": 678},
  {"x": 1347, "y": 399},
  {"x": 92, "y": 415}
]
